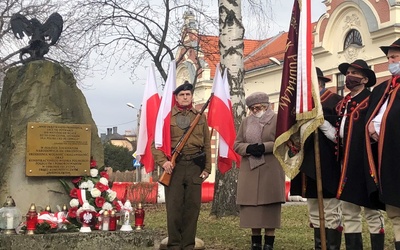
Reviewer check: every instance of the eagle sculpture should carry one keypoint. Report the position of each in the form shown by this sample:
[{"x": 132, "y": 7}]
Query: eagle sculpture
[{"x": 42, "y": 35}]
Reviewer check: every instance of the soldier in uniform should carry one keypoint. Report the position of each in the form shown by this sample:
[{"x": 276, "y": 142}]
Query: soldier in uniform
[
  {"x": 183, "y": 195},
  {"x": 304, "y": 183}
]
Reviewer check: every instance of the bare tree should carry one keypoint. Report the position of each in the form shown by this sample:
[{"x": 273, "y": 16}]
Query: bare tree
[
  {"x": 231, "y": 34},
  {"x": 125, "y": 33}
]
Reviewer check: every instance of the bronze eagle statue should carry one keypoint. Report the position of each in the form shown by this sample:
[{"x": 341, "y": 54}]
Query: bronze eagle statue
[{"x": 42, "y": 35}]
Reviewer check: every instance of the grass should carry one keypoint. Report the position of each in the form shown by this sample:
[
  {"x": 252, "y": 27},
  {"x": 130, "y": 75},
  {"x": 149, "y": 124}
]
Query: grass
[{"x": 225, "y": 233}]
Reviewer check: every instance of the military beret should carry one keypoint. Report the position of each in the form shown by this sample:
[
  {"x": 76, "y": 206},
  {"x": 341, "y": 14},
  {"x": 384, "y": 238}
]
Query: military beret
[
  {"x": 185, "y": 86},
  {"x": 257, "y": 97}
]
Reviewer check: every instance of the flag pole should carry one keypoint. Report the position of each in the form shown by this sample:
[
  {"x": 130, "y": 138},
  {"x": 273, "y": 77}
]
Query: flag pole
[{"x": 319, "y": 191}]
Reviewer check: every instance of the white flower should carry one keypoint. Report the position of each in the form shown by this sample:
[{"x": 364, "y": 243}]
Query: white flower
[
  {"x": 74, "y": 203},
  {"x": 104, "y": 181},
  {"x": 95, "y": 192},
  {"x": 111, "y": 195},
  {"x": 107, "y": 206},
  {"x": 83, "y": 185},
  {"x": 94, "y": 172},
  {"x": 90, "y": 185}
]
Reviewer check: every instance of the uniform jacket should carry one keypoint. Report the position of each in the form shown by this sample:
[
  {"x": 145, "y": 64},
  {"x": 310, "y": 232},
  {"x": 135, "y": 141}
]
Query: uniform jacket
[
  {"x": 354, "y": 180},
  {"x": 266, "y": 183},
  {"x": 384, "y": 156},
  {"x": 199, "y": 140},
  {"x": 330, "y": 167}
]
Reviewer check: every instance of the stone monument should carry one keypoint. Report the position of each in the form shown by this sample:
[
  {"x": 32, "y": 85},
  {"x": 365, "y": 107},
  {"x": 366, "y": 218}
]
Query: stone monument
[{"x": 39, "y": 91}]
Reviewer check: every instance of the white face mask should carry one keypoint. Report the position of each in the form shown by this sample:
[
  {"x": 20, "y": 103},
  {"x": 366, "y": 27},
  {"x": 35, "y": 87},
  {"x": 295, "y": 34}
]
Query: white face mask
[
  {"x": 394, "y": 68},
  {"x": 259, "y": 114}
]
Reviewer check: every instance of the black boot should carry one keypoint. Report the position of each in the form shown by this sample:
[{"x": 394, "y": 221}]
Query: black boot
[
  {"x": 317, "y": 239},
  {"x": 377, "y": 241},
  {"x": 333, "y": 239},
  {"x": 256, "y": 242},
  {"x": 269, "y": 242},
  {"x": 397, "y": 245},
  {"x": 353, "y": 241}
]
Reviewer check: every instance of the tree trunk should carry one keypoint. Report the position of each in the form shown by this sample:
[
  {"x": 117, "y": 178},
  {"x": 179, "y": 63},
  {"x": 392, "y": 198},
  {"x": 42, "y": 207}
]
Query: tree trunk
[{"x": 231, "y": 52}]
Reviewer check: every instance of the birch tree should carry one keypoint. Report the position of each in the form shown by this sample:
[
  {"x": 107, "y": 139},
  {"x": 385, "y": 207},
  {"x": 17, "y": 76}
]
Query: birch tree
[{"x": 231, "y": 34}]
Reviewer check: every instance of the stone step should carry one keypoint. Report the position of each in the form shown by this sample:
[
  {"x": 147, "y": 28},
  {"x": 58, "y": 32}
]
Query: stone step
[{"x": 96, "y": 240}]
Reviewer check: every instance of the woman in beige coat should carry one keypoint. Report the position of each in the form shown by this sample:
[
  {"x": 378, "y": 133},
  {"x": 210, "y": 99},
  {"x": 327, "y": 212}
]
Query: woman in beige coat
[{"x": 261, "y": 181}]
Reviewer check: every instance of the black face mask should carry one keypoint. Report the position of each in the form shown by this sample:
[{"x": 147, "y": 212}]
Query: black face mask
[{"x": 352, "y": 82}]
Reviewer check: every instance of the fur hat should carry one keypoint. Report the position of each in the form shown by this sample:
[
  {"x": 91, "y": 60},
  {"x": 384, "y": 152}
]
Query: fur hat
[
  {"x": 363, "y": 66},
  {"x": 395, "y": 45},
  {"x": 185, "y": 86},
  {"x": 321, "y": 75},
  {"x": 256, "y": 97}
]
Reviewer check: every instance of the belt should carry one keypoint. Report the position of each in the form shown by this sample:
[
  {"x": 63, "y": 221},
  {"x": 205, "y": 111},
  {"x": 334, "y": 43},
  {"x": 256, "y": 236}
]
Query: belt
[{"x": 188, "y": 157}]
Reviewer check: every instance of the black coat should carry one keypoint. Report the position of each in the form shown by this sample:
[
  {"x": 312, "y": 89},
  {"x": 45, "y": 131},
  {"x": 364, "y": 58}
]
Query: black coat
[
  {"x": 355, "y": 179},
  {"x": 304, "y": 183},
  {"x": 387, "y": 149}
]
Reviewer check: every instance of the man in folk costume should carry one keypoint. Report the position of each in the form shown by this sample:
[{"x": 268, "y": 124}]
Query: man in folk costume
[
  {"x": 355, "y": 179},
  {"x": 305, "y": 184},
  {"x": 183, "y": 195},
  {"x": 382, "y": 138}
]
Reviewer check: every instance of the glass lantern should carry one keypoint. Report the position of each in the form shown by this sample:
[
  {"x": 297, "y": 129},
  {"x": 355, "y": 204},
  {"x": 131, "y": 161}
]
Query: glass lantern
[{"x": 10, "y": 216}]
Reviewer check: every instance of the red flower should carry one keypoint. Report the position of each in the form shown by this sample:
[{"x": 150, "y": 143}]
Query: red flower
[
  {"x": 93, "y": 163},
  {"x": 76, "y": 180},
  {"x": 100, "y": 201},
  {"x": 72, "y": 212},
  {"x": 74, "y": 193},
  {"x": 100, "y": 186},
  {"x": 104, "y": 174},
  {"x": 116, "y": 205}
]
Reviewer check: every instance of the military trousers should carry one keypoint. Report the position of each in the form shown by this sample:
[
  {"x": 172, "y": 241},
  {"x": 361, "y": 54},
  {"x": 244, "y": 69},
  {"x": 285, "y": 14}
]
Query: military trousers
[{"x": 183, "y": 201}]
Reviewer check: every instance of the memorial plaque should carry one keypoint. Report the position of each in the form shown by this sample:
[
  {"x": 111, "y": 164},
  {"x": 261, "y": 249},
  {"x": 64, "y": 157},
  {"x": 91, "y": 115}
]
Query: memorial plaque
[{"x": 54, "y": 149}]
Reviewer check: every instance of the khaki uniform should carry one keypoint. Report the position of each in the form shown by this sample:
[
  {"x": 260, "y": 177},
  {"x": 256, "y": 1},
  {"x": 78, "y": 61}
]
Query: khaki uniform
[{"x": 183, "y": 195}]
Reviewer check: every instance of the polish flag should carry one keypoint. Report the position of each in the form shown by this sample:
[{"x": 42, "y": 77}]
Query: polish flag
[
  {"x": 221, "y": 119},
  {"x": 148, "y": 115},
  {"x": 162, "y": 139}
]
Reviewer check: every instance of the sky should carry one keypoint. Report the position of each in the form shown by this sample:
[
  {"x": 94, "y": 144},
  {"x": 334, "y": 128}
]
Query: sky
[{"x": 107, "y": 96}]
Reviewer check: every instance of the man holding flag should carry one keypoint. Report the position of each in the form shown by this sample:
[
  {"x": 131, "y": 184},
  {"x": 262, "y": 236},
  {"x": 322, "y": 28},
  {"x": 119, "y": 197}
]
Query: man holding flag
[
  {"x": 193, "y": 165},
  {"x": 299, "y": 111}
]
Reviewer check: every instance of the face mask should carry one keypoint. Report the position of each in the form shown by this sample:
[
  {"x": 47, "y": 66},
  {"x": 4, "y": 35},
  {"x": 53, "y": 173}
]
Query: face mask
[
  {"x": 259, "y": 114},
  {"x": 394, "y": 68},
  {"x": 352, "y": 82}
]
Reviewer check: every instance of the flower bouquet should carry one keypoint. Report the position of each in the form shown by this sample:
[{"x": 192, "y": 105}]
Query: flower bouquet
[{"x": 93, "y": 191}]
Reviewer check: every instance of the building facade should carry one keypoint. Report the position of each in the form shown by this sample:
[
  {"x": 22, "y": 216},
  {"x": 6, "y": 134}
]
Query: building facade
[{"x": 348, "y": 30}]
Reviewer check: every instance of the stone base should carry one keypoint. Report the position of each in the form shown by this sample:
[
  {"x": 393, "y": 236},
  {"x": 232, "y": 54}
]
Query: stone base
[
  {"x": 143, "y": 239},
  {"x": 199, "y": 244}
]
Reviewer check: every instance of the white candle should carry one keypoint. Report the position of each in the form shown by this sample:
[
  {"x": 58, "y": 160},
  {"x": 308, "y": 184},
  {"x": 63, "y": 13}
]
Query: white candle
[
  {"x": 105, "y": 225},
  {"x": 10, "y": 222}
]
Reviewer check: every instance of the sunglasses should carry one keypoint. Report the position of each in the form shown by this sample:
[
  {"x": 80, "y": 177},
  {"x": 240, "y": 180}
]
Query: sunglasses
[{"x": 257, "y": 108}]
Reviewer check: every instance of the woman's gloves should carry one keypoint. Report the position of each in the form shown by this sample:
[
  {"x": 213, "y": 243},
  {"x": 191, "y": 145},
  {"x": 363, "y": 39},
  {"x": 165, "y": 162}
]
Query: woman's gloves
[{"x": 256, "y": 149}]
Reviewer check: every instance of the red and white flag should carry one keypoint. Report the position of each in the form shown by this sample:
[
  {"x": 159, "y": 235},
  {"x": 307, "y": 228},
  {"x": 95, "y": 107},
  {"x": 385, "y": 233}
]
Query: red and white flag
[
  {"x": 162, "y": 138},
  {"x": 299, "y": 92},
  {"x": 148, "y": 115},
  {"x": 221, "y": 119}
]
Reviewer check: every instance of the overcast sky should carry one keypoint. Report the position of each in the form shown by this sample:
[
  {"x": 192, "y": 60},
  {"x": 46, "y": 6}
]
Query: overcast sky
[{"x": 107, "y": 96}]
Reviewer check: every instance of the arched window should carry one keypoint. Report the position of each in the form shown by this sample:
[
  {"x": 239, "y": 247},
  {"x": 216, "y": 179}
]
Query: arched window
[{"x": 352, "y": 38}]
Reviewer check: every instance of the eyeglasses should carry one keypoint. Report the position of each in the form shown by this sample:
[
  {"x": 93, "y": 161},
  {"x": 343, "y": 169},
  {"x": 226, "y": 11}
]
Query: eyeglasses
[{"x": 257, "y": 108}]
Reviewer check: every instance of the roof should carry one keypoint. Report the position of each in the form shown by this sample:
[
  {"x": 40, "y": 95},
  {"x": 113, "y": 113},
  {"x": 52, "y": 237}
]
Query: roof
[{"x": 256, "y": 52}]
